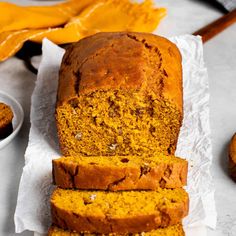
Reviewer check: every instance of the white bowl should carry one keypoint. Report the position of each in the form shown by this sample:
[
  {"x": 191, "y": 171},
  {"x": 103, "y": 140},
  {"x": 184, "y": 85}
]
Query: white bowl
[{"x": 17, "y": 119}]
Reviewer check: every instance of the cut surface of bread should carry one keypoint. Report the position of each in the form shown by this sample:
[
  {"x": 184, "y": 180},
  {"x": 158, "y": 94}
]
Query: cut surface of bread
[
  {"x": 120, "y": 172},
  {"x": 118, "y": 212},
  {"x": 175, "y": 230},
  {"x": 6, "y": 116},
  {"x": 120, "y": 94}
]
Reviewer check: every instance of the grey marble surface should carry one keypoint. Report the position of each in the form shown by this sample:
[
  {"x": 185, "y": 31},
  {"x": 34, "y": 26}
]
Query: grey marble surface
[{"x": 184, "y": 16}]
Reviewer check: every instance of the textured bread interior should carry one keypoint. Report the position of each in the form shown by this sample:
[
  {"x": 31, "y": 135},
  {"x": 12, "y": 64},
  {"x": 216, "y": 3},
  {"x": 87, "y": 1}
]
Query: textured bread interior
[
  {"x": 175, "y": 230},
  {"x": 118, "y": 122},
  {"x": 6, "y": 115},
  {"x": 118, "y": 204}
]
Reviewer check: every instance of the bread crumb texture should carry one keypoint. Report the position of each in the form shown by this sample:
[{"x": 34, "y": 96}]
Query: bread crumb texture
[{"x": 120, "y": 94}]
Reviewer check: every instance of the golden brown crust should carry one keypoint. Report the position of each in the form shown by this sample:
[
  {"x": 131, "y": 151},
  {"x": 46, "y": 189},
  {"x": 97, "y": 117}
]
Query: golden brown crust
[
  {"x": 104, "y": 61},
  {"x": 69, "y": 174},
  {"x": 232, "y": 157}
]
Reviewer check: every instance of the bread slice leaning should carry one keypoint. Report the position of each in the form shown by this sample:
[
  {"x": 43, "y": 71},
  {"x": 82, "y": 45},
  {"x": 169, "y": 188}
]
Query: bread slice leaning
[
  {"x": 175, "y": 230},
  {"x": 120, "y": 172},
  {"x": 118, "y": 212}
]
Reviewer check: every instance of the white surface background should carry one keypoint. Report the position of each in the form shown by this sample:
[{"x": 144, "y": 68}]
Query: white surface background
[{"x": 184, "y": 16}]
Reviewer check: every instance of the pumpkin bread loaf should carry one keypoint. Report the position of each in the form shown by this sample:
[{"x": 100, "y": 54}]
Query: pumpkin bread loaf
[
  {"x": 175, "y": 230},
  {"x": 120, "y": 94},
  {"x": 118, "y": 212},
  {"x": 120, "y": 172},
  {"x": 6, "y": 116}
]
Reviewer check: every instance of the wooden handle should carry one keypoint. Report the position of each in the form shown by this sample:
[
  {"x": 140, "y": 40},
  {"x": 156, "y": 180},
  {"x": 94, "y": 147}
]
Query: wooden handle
[{"x": 217, "y": 26}]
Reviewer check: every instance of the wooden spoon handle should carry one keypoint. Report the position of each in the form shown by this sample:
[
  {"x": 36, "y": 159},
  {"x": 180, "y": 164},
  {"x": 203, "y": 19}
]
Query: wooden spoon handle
[{"x": 217, "y": 26}]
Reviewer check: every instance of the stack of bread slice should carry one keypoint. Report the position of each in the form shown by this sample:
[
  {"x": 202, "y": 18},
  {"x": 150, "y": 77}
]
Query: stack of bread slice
[{"x": 119, "y": 112}]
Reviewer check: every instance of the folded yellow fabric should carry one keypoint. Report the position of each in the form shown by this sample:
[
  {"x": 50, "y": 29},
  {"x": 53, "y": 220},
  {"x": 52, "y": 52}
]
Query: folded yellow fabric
[
  {"x": 14, "y": 17},
  {"x": 100, "y": 15},
  {"x": 107, "y": 16}
]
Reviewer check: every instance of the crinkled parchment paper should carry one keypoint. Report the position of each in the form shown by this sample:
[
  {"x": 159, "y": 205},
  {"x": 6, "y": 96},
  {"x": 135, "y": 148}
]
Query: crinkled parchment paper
[{"x": 33, "y": 211}]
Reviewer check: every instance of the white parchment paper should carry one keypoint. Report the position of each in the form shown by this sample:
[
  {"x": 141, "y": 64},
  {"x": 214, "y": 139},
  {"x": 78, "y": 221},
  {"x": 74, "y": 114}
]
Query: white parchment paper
[{"x": 33, "y": 211}]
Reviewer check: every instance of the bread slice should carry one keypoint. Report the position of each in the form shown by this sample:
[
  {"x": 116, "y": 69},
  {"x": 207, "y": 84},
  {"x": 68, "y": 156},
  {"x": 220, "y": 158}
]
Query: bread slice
[
  {"x": 6, "y": 116},
  {"x": 232, "y": 157},
  {"x": 174, "y": 230},
  {"x": 120, "y": 93},
  {"x": 120, "y": 172},
  {"x": 118, "y": 212}
]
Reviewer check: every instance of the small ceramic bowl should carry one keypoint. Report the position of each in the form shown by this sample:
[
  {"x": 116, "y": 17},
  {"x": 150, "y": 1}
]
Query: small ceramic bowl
[{"x": 17, "y": 119}]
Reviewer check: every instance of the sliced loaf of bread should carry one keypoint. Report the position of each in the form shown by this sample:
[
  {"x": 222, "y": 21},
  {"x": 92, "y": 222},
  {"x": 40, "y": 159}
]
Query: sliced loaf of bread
[
  {"x": 118, "y": 212},
  {"x": 120, "y": 93},
  {"x": 174, "y": 230},
  {"x": 120, "y": 172}
]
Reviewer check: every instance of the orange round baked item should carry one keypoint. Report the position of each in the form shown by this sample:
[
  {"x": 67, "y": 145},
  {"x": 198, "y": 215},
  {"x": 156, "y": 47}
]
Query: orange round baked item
[
  {"x": 120, "y": 94},
  {"x": 6, "y": 116},
  {"x": 232, "y": 157}
]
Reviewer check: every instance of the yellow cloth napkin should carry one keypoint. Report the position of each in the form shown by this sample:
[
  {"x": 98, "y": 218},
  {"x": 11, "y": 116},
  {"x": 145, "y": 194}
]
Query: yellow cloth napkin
[
  {"x": 92, "y": 17},
  {"x": 14, "y": 17}
]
